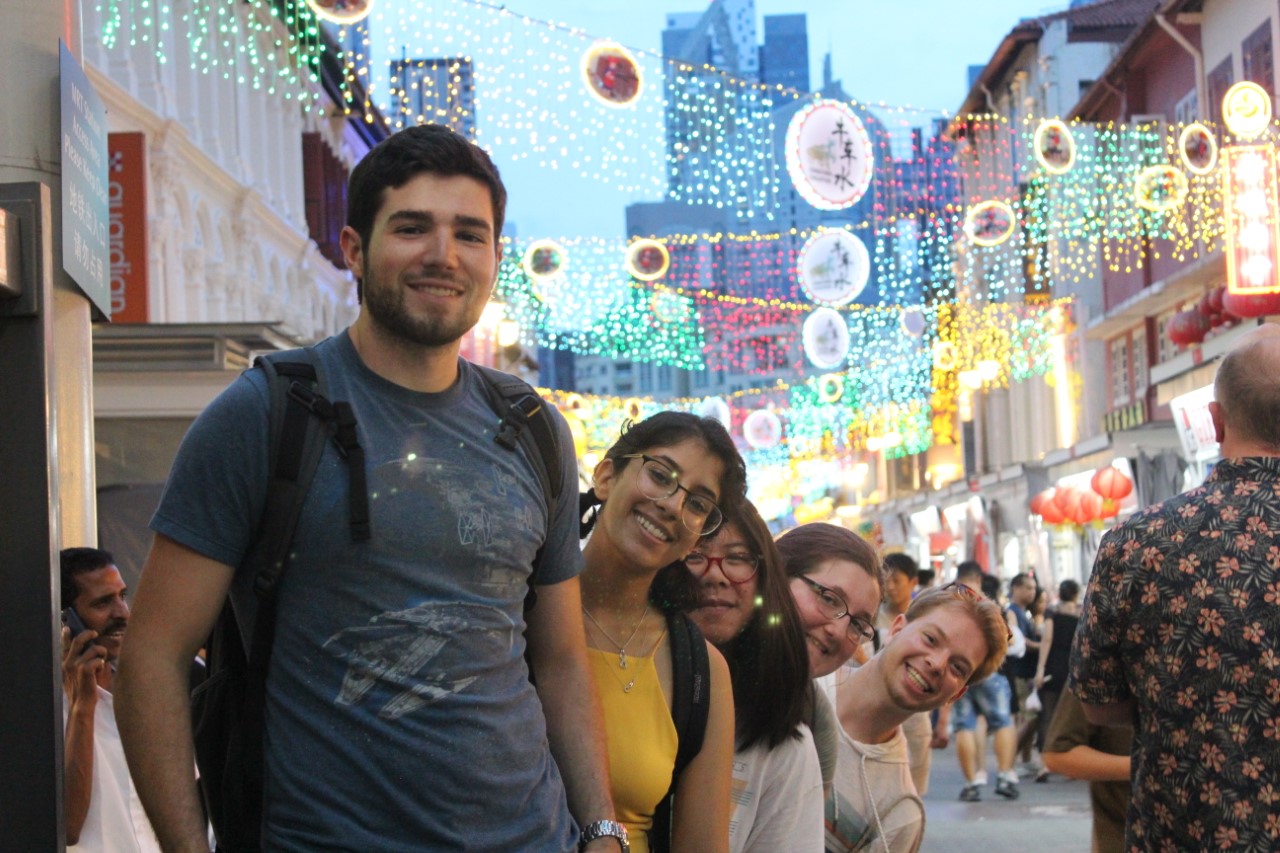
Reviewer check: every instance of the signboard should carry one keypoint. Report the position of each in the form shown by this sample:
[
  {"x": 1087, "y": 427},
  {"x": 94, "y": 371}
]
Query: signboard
[
  {"x": 84, "y": 182},
  {"x": 833, "y": 267},
  {"x": 1250, "y": 207},
  {"x": 127, "y": 226},
  {"x": 826, "y": 338},
  {"x": 829, "y": 155},
  {"x": 1195, "y": 426}
]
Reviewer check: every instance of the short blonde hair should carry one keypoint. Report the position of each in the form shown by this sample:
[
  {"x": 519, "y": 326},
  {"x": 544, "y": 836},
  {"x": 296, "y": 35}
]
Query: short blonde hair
[{"x": 985, "y": 613}]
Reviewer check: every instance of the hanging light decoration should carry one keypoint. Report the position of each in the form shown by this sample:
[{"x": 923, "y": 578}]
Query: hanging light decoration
[
  {"x": 829, "y": 155},
  {"x": 611, "y": 73}
]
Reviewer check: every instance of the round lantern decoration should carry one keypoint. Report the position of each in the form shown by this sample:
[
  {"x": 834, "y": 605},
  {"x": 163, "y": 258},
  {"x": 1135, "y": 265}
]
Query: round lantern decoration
[
  {"x": 990, "y": 223},
  {"x": 1249, "y": 305},
  {"x": 826, "y": 338},
  {"x": 341, "y": 12},
  {"x": 1246, "y": 109},
  {"x": 912, "y": 322},
  {"x": 1044, "y": 506},
  {"x": 762, "y": 429},
  {"x": 1054, "y": 147},
  {"x": 1067, "y": 502},
  {"x": 1112, "y": 484},
  {"x": 1088, "y": 508},
  {"x": 830, "y": 387},
  {"x": 633, "y": 408},
  {"x": 1187, "y": 328},
  {"x": 648, "y": 260},
  {"x": 829, "y": 155},
  {"x": 1198, "y": 148},
  {"x": 944, "y": 356},
  {"x": 717, "y": 409},
  {"x": 611, "y": 73},
  {"x": 1160, "y": 189},
  {"x": 833, "y": 267},
  {"x": 544, "y": 259}
]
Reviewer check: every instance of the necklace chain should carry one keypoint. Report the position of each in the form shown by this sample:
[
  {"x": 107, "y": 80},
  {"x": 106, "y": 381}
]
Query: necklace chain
[{"x": 622, "y": 647}]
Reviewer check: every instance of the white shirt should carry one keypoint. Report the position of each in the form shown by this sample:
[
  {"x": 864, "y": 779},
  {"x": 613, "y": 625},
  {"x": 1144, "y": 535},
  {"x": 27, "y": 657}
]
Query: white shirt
[
  {"x": 116, "y": 822},
  {"x": 777, "y": 798}
]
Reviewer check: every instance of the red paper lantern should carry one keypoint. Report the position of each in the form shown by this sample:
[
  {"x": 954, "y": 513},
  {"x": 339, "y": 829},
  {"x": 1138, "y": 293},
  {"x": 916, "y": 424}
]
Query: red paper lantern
[
  {"x": 1089, "y": 508},
  {"x": 1215, "y": 298},
  {"x": 1067, "y": 502},
  {"x": 1188, "y": 327},
  {"x": 1111, "y": 483},
  {"x": 1246, "y": 305},
  {"x": 1043, "y": 505},
  {"x": 1110, "y": 509}
]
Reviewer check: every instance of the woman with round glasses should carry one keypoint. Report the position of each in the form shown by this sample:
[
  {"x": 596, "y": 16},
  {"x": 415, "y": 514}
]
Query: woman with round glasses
[
  {"x": 744, "y": 607},
  {"x": 665, "y": 483},
  {"x": 837, "y": 581}
]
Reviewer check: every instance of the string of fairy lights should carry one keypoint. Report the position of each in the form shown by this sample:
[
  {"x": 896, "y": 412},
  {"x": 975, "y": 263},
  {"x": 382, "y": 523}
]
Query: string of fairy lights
[{"x": 940, "y": 270}]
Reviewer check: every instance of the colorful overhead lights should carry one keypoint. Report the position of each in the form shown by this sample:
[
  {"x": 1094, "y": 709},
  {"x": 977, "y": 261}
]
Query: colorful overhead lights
[
  {"x": 648, "y": 260},
  {"x": 1160, "y": 189},
  {"x": 343, "y": 12},
  {"x": 990, "y": 223},
  {"x": 544, "y": 259},
  {"x": 1198, "y": 148}
]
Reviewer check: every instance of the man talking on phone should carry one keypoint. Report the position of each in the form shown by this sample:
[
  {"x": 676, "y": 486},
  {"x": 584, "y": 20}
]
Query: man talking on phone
[{"x": 102, "y": 810}]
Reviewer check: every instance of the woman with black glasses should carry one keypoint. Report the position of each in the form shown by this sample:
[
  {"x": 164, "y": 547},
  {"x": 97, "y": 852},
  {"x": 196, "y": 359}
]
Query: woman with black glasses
[
  {"x": 837, "y": 581},
  {"x": 666, "y": 482},
  {"x": 746, "y": 610}
]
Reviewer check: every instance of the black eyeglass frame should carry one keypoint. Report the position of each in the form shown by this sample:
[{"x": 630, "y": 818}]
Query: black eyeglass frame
[
  {"x": 867, "y": 632},
  {"x": 716, "y": 512}
]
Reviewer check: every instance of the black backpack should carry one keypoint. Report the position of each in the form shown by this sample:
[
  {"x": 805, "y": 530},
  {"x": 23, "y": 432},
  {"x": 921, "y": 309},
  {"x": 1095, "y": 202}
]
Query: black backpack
[{"x": 227, "y": 708}]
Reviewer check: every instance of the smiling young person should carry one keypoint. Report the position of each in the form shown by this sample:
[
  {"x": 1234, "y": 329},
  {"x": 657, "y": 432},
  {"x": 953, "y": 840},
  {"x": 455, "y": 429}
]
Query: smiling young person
[
  {"x": 666, "y": 482},
  {"x": 837, "y": 582},
  {"x": 947, "y": 639},
  {"x": 747, "y": 611},
  {"x": 399, "y": 713}
]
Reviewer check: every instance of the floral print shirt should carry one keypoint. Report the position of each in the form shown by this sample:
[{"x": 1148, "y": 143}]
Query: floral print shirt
[{"x": 1182, "y": 616}]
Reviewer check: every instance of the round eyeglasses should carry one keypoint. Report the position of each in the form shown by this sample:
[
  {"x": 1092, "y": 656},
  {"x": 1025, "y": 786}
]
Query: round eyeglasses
[
  {"x": 657, "y": 481},
  {"x": 832, "y": 606},
  {"x": 736, "y": 567}
]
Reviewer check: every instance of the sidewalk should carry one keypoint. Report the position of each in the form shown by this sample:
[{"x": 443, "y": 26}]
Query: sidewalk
[{"x": 1052, "y": 817}]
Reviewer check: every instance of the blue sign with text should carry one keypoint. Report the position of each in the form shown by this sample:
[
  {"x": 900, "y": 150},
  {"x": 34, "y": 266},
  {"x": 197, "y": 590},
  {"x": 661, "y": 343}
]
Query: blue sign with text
[{"x": 84, "y": 182}]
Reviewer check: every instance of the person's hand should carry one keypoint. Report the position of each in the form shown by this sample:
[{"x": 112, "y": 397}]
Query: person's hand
[
  {"x": 82, "y": 660},
  {"x": 1039, "y": 680},
  {"x": 940, "y": 737}
]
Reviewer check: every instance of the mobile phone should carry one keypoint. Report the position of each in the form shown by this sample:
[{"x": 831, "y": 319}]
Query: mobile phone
[{"x": 72, "y": 620}]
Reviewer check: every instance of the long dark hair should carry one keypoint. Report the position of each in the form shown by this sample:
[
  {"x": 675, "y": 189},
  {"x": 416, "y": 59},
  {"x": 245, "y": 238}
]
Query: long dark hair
[
  {"x": 666, "y": 429},
  {"x": 768, "y": 663}
]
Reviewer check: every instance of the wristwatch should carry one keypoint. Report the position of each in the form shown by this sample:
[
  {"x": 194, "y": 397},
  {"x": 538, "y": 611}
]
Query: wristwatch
[{"x": 602, "y": 828}]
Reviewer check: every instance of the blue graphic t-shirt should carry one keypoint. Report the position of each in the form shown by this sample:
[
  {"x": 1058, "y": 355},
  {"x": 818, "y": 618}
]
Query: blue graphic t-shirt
[{"x": 399, "y": 710}]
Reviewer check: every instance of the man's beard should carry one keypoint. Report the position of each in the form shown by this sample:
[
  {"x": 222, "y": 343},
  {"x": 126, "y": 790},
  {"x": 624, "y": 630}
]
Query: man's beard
[{"x": 386, "y": 305}]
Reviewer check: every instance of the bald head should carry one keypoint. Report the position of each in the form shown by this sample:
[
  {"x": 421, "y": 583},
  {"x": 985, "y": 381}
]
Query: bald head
[{"x": 1246, "y": 410}]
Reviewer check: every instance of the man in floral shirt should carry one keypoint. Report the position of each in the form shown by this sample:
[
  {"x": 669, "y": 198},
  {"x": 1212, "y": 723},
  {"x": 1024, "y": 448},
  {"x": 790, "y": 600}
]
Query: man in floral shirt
[{"x": 1180, "y": 633}]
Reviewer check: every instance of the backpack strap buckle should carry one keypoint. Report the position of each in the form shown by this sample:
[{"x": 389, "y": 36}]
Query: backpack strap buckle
[{"x": 519, "y": 413}]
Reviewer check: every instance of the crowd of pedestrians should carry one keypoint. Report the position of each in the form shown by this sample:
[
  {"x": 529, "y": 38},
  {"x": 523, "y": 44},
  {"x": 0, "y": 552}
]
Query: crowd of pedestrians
[{"x": 498, "y": 665}]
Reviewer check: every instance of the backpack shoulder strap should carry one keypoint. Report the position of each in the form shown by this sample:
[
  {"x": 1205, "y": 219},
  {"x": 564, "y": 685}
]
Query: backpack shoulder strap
[
  {"x": 690, "y": 703},
  {"x": 691, "y": 688},
  {"x": 525, "y": 421}
]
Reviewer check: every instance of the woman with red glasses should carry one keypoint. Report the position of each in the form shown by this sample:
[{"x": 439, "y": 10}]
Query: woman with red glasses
[
  {"x": 744, "y": 607},
  {"x": 667, "y": 482}
]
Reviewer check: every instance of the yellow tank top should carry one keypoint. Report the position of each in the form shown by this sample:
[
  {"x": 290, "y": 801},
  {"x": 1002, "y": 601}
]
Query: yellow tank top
[{"x": 641, "y": 736}]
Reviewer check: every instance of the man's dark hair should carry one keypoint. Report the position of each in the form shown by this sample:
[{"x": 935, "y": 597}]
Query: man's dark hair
[
  {"x": 79, "y": 561},
  {"x": 1068, "y": 590},
  {"x": 991, "y": 587},
  {"x": 902, "y": 564},
  {"x": 408, "y": 153},
  {"x": 1248, "y": 396},
  {"x": 1022, "y": 579},
  {"x": 924, "y": 577},
  {"x": 969, "y": 569}
]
